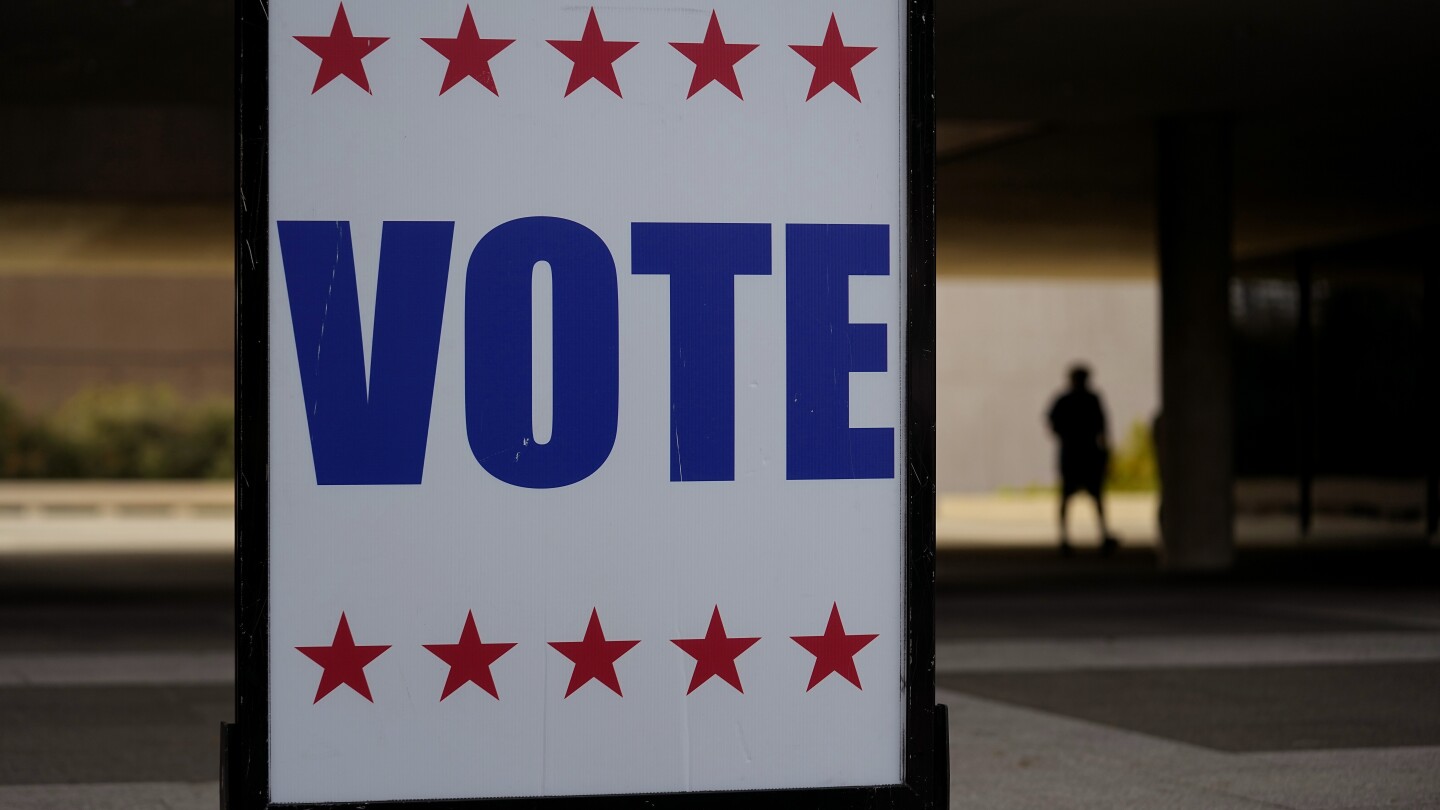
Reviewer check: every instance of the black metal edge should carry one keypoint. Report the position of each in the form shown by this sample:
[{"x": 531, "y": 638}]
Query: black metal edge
[
  {"x": 247, "y": 758},
  {"x": 245, "y": 762},
  {"x": 1305, "y": 376},
  {"x": 1430, "y": 388},
  {"x": 924, "y": 769}
]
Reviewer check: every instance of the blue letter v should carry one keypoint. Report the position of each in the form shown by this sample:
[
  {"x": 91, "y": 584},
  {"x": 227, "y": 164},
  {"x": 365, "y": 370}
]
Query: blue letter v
[{"x": 359, "y": 433}]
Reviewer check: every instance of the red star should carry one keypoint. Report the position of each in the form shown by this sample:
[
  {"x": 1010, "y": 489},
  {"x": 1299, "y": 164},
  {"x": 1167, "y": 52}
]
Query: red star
[
  {"x": 344, "y": 662},
  {"x": 715, "y": 654},
  {"x": 714, "y": 59},
  {"x": 594, "y": 58},
  {"x": 834, "y": 651},
  {"x": 469, "y": 55},
  {"x": 341, "y": 53},
  {"x": 594, "y": 657},
  {"x": 834, "y": 62},
  {"x": 469, "y": 659}
]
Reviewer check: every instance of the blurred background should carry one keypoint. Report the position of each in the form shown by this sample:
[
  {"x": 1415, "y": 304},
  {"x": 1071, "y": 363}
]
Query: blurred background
[{"x": 1226, "y": 209}]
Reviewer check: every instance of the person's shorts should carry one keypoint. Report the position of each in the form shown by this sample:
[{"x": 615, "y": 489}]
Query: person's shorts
[
  {"x": 1082, "y": 473},
  {"x": 1090, "y": 483}
]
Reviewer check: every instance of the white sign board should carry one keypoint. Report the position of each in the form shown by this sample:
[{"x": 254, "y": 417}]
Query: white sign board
[{"x": 585, "y": 397}]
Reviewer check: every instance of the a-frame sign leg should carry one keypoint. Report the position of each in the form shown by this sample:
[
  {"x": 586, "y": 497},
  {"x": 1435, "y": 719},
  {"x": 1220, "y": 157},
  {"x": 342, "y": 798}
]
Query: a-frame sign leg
[{"x": 942, "y": 757}]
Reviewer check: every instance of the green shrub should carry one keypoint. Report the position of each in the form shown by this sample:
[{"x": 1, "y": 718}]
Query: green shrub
[
  {"x": 27, "y": 449},
  {"x": 1132, "y": 461},
  {"x": 126, "y": 431}
]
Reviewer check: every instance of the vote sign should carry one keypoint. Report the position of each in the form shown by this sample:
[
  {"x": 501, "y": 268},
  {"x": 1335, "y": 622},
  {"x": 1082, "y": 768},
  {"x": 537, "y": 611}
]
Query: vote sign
[{"x": 577, "y": 340}]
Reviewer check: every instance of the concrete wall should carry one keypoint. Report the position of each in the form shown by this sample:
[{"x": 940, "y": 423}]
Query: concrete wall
[
  {"x": 1003, "y": 347},
  {"x": 59, "y": 335}
]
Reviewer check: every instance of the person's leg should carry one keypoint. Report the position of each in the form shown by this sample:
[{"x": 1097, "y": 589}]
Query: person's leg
[
  {"x": 1066, "y": 490},
  {"x": 1108, "y": 543},
  {"x": 1098, "y": 494}
]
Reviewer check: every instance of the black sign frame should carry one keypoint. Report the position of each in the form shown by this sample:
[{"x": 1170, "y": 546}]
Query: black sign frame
[{"x": 245, "y": 757}]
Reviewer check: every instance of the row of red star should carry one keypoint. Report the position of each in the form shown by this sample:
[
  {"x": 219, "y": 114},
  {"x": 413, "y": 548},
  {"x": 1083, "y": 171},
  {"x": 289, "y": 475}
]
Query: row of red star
[
  {"x": 594, "y": 656},
  {"x": 342, "y": 54}
]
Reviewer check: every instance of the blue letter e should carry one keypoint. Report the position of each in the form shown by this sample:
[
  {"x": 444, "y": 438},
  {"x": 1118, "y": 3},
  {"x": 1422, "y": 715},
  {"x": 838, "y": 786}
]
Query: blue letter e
[{"x": 822, "y": 348}]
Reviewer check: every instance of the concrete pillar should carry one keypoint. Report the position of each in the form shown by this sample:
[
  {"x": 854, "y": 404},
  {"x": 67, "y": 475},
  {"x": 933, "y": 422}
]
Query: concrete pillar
[{"x": 1194, "y": 222}]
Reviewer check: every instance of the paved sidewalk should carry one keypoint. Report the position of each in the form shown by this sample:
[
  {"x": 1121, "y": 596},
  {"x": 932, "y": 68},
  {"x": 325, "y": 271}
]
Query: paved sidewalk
[
  {"x": 1030, "y": 519},
  {"x": 1292, "y": 684},
  {"x": 1005, "y": 757},
  {"x": 1109, "y": 687},
  {"x": 1303, "y": 679}
]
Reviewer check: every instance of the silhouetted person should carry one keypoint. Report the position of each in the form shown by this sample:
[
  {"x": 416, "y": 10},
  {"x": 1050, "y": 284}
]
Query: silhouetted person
[{"x": 1077, "y": 419}]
